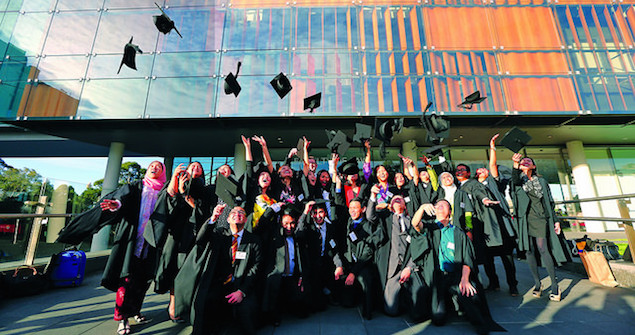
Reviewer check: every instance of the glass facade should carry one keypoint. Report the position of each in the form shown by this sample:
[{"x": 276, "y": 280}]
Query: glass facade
[{"x": 59, "y": 58}]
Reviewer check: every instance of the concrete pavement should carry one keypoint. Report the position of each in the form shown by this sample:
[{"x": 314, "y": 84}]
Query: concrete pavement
[{"x": 586, "y": 308}]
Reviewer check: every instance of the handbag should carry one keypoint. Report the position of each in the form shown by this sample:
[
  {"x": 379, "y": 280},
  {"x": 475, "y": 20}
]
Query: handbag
[
  {"x": 24, "y": 281},
  {"x": 598, "y": 268},
  {"x": 609, "y": 249}
]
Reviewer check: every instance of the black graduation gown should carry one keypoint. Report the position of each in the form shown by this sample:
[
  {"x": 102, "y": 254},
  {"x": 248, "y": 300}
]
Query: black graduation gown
[
  {"x": 561, "y": 254},
  {"x": 486, "y": 230},
  {"x": 125, "y": 231}
]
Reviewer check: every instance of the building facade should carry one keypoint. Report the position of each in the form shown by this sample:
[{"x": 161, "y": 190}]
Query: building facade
[{"x": 564, "y": 70}]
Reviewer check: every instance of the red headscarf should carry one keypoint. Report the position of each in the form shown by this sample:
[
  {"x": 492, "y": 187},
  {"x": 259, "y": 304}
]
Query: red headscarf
[{"x": 155, "y": 183}]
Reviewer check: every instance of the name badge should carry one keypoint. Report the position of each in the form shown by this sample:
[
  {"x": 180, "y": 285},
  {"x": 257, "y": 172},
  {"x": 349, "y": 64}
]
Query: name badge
[
  {"x": 301, "y": 197},
  {"x": 389, "y": 194},
  {"x": 462, "y": 205},
  {"x": 241, "y": 254},
  {"x": 352, "y": 236},
  {"x": 450, "y": 245},
  {"x": 332, "y": 243},
  {"x": 354, "y": 258},
  {"x": 408, "y": 239},
  {"x": 406, "y": 199}
]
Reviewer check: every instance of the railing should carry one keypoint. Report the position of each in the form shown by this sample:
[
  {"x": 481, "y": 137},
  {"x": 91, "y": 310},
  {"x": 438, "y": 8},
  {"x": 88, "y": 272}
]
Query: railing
[{"x": 622, "y": 202}]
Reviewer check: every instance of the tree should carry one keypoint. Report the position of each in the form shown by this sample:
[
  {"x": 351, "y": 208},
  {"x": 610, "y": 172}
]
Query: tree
[
  {"x": 24, "y": 184},
  {"x": 130, "y": 172}
]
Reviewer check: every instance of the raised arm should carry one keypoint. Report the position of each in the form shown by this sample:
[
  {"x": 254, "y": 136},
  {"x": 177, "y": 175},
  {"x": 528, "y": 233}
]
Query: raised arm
[
  {"x": 493, "y": 168},
  {"x": 265, "y": 152},
  {"x": 367, "y": 169},
  {"x": 305, "y": 158}
]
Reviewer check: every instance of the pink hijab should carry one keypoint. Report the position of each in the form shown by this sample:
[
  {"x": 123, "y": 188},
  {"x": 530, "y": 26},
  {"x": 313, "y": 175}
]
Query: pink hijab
[{"x": 155, "y": 183}]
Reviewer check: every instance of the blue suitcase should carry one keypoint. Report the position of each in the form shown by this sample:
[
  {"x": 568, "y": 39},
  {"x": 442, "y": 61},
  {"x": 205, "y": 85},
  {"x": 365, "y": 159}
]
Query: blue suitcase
[{"x": 67, "y": 268}]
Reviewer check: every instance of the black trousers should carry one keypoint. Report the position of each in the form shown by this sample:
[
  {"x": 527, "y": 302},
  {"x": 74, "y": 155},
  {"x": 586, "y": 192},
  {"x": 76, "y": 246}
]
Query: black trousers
[
  {"x": 506, "y": 253},
  {"x": 362, "y": 290},
  {"x": 445, "y": 289}
]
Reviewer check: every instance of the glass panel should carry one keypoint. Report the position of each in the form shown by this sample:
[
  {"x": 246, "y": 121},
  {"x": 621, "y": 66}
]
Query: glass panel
[
  {"x": 173, "y": 3},
  {"x": 113, "y": 99},
  {"x": 257, "y": 98},
  {"x": 182, "y": 97},
  {"x": 7, "y": 21},
  {"x": 116, "y": 28},
  {"x": 186, "y": 64},
  {"x": 565, "y": 28},
  {"x": 257, "y": 29},
  {"x": 201, "y": 28},
  {"x": 626, "y": 85},
  {"x": 78, "y": 5},
  {"x": 10, "y": 98},
  {"x": 18, "y": 69},
  {"x": 106, "y": 66},
  {"x": 131, "y": 4},
  {"x": 605, "y": 180},
  {"x": 325, "y": 63},
  {"x": 256, "y": 63},
  {"x": 29, "y": 33},
  {"x": 32, "y": 5},
  {"x": 62, "y": 67},
  {"x": 71, "y": 33},
  {"x": 52, "y": 98},
  {"x": 624, "y": 160},
  {"x": 615, "y": 94}
]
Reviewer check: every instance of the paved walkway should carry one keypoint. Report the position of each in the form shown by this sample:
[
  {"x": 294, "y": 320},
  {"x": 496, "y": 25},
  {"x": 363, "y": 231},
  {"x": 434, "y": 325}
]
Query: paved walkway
[{"x": 586, "y": 308}]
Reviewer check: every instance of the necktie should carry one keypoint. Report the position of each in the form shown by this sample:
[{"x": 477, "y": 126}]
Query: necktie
[
  {"x": 234, "y": 247},
  {"x": 287, "y": 265},
  {"x": 401, "y": 224}
]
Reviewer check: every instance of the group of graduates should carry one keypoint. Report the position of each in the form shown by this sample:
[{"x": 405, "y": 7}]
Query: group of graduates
[{"x": 274, "y": 240}]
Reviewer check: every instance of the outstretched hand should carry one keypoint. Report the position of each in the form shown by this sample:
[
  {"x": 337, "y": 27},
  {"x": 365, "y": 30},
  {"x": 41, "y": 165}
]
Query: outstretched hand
[
  {"x": 492, "y": 142},
  {"x": 111, "y": 205}
]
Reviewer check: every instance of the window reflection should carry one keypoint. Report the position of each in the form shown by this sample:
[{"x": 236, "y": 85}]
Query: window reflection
[
  {"x": 113, "y": 99},
  {"x": 71, "y": 33},
  {"x": 256, "y": 63},
  {"x": 131, "y": 3},
  {"x": 116, "y": 28},
  {"x": 201, "y": 28},
  {"x": 183, "y": 97},
  {"x": 79, "y": 5},
  {"x": 62, "y": 67},
  {"x": 29, "y": 33},
  {"x": 186, "y": 64},
  {"x": 106, "y": 66},
  {"x": 51, "y": 98},
  {"x": 248, "y": 29}
]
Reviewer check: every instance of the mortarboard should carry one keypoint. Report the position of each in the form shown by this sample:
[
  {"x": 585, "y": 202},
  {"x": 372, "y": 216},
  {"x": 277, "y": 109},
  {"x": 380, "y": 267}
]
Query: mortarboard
[
  {"x": 129, "y": 55},
  {"x": 330, "y": 134},
  {"x": 349, "y": 167},
  {"x": 291, "y": 209},
  {"x": 312, "y": 102},
  {"x": 227, "y": 190},
  {"x": 362, "y": 132},
  {"x": 384, "y": 131},
  {"x": 231, "y": 83},
  {"x": 437, "y": 127},
  {"x": 281, "y": 85},
  {"x": 339, "y": 144},
  {"x": 474, "y": 98},
  {"x": 164, "y": 23},
  {"x": 515, "y": 139},
  {"x": 436, "y": 150}
]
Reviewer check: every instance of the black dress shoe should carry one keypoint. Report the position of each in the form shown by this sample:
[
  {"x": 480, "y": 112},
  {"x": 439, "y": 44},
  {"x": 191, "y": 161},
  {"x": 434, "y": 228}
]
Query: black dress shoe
[
  {"x": 513, "y": 291},
  {"x": 491, "y": 287}
]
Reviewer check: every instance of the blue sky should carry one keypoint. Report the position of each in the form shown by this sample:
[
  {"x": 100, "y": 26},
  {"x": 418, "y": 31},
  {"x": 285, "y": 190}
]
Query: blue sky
[{"x": 73, "y": 171}]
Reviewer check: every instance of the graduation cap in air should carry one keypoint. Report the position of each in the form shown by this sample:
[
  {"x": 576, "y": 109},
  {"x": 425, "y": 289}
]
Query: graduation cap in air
[
  {"x": 515, "y": 139},
  {"x": 312, "y": 102},
  {"x": 300, "y": 148},
  {"x": 129, "y": 55},
  {"x": 164, "y": 23},
  {"x": 231, "y": 83},
  {"x": 363, "y": 132},
  {"x": 435, "y": 150},
  {"x": 349, "y": 167},
  {"x": 227, "y": 189},
  {"x": 438, "y": 127},
  {"x": 384, "y": 131},
  {"x": 474, "y": 98},
  {"x": 339, "y": 143},
  {"x": 281, "y": 85},
  {"x": 291, "y": 209},
  {"x": 330, "y": 134}
]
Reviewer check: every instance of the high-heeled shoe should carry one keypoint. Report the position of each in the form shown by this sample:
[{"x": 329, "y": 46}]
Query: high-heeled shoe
[
  {"x": 555, "y": 297},
  {"x": 140, "y": 319}
]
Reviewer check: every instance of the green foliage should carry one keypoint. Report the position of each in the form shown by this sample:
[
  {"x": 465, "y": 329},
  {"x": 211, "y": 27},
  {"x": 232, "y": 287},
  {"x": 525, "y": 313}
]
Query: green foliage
[
  {"x": 130, "y": 171},
  {"x": 23, "y": 184}
]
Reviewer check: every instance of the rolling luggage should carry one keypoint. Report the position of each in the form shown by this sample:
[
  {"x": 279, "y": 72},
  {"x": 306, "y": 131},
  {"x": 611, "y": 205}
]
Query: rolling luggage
[{"x": 67, "y": 268}]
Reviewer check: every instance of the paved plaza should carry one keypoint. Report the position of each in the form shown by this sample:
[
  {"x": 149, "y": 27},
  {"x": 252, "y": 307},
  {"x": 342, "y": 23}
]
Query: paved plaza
[{"x": 586, "y": 308}]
